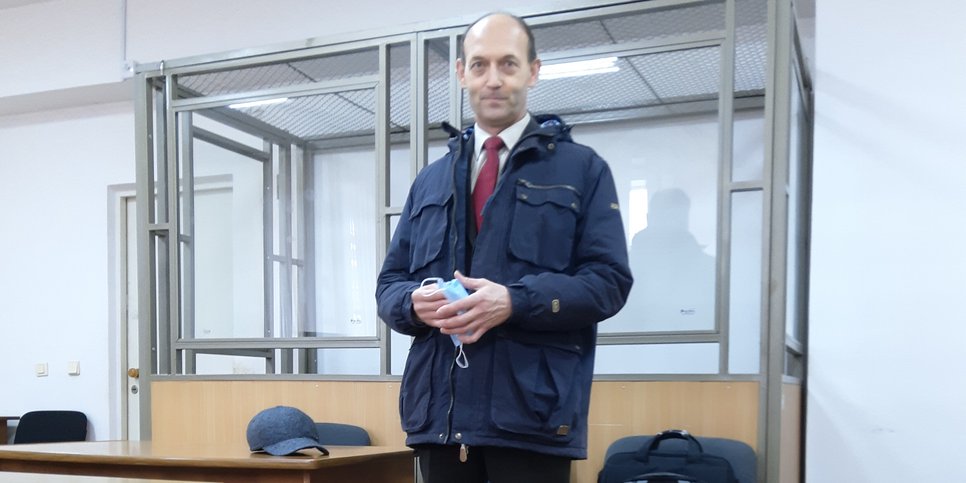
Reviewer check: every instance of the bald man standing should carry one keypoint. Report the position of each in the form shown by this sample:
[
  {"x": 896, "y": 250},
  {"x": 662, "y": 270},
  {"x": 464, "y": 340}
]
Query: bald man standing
[{"x": 497, "y": 384}]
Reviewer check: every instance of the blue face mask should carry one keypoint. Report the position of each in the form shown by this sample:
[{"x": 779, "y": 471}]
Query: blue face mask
[{"x": 453, "y": 290}]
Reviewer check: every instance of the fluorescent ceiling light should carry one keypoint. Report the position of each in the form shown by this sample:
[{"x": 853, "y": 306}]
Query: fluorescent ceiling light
[
  {"x": 243, "y": 105},
  {"x": 579, "y": 68}
]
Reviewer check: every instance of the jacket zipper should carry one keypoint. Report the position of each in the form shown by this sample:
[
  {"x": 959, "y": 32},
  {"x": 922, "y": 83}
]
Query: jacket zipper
[
  {"x": 454, "y": 237},
  {"x": 547, "y": 186},
  {"x": 454, "y": 233},
  {"x": 452, "y": 398}
]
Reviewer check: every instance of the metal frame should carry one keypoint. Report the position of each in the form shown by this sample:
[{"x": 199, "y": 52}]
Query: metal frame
[
  {"x": 419, "y": 135},
  {"x": 158, "y": 210}
]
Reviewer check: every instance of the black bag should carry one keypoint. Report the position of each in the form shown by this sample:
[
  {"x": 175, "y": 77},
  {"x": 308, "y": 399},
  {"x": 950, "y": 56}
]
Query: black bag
[
  {"x": 664, "y": 478},
  {"x": 650, "y": 462}
]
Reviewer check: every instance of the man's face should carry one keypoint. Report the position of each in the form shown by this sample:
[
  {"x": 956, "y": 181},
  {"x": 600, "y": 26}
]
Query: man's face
[{"x": 495, "y": 72}]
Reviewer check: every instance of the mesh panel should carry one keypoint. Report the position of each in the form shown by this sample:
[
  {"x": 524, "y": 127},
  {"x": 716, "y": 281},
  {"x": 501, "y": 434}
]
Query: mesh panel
[
  {"x": 334, "y": 67},
  {"x": 242, "y": 80},
  {"x": 681, "y": 74},
  {"x": 399, "y": 86},
  {"x": 321, "y": 115},
  {"x": 437, "y": 51},
  {"x": 751, "y": 48},
  {"x": 652, "y": 25},
  {"x": 643, "y": 80}
]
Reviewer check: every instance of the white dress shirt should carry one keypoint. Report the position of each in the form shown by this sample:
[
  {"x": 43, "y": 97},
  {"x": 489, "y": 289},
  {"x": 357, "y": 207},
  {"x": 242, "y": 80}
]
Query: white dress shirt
[{"x": 510, "y": 136}]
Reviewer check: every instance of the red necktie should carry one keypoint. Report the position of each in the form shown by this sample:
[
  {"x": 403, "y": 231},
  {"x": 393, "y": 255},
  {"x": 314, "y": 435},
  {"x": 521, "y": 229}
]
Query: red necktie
[{"x": 486, "y": 180}]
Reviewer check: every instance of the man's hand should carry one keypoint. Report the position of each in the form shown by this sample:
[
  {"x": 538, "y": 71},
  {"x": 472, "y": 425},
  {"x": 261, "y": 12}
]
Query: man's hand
[
  {"x": 487, "y": 307},
  {"x": 426, "y": 301}
]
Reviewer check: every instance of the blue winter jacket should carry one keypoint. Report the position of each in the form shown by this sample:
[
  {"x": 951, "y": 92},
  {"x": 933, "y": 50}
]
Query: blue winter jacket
[{"x": 552, "y": 234}]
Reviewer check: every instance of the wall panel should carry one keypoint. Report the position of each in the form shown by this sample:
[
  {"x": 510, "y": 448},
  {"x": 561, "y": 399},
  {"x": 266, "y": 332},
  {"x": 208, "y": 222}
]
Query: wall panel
[{"x": 219, "y": 411}]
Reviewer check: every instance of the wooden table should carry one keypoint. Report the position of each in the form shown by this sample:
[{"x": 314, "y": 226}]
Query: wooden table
[
  {"x": 48, "y": 478},
  {"x": 3, "y": 427},
  {"x": 220, "y": 463}
]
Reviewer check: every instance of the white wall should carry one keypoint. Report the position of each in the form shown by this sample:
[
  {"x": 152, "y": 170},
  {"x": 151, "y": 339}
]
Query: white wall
[
  {"x": 885, "y": 393},
  {"x": 60, "y": 44},
  {"x": 55, "y": 168}
]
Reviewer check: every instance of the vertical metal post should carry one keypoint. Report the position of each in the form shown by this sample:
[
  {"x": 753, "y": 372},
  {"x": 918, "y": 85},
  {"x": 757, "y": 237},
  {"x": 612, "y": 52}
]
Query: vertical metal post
[
  {"x": 308, "y": 199},
  {"x": 170, "y": 324},
  {"x": 144, "y": 161},
  {"x": 284, "y": 255},
  {"x": 419, "y": 96},
  {"x": 382, "y": 164},
  {"x": 777, "y": 109},
  {"x": 186, "y": 237},
  {"x": 726, "y": 111},
  {"x": 456, "y": 93},
  {"x": 301, "y": 297},
  {"x": 268, "y": 250}
]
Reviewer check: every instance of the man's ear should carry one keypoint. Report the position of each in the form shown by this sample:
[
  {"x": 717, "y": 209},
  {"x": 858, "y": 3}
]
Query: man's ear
[
  {"x": 461, "y": 72},
  {"x": 534, "y": 72}
]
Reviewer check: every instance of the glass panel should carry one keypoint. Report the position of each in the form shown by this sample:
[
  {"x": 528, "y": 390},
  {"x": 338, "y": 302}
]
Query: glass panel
[
  {"x": 749, "y": 145},
  {"x": 657, "y": 359},
  {"x": 345, "y": 252},
  {"x": 399, "y": 343},
  {"x": 746, "y": 264},
  {"x": 393, "y": 221},
  {"x": 666, "y": 176},
  {"x": 214, "y": 311},
  {"x": 399, "y": 179},
  {"x": 400, "y": 351},
  {"x": 399, "y": 100},
  {"x": 227, "y": 239},
  {"x": 224, "y": 364},
  {"x": 349, "y": 362},
  {"x": 156, "y": 170},
  {"x": 159, "y": 255}
]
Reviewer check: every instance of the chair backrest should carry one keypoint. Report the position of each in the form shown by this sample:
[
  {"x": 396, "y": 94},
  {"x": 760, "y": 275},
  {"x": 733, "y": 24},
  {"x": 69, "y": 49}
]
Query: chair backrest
[
  {"x": 339, "y": 434},
  {"x": 742, "y": 458},
  {"x": 51, "y": 427}
]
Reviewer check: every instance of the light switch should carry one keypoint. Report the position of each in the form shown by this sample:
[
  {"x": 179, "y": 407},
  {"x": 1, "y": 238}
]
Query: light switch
[
  {"x": 73, "y": 368},
  {"x": 40, "y": 369}
]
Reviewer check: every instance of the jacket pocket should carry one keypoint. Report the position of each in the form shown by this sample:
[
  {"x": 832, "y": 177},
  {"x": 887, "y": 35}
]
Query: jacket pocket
[
  {"x": 544, "y": 222},
  {"x": 536, "y": 389},
  {"x": 428, "y": 220},
  {"x": 417, "y": 384}
]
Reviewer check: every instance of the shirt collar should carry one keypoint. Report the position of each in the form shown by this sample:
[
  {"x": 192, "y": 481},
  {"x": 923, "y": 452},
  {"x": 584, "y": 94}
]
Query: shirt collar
[{"x": 510, "y": 135}]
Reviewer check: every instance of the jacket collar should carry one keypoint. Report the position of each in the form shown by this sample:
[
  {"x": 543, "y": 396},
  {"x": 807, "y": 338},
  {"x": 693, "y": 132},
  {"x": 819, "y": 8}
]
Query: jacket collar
[{"x": 546, "y": 127}]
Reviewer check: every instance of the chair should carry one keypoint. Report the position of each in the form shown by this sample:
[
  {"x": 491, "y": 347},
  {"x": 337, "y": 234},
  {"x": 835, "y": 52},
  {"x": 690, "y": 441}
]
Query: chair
[
  {"x": 339, "y": 434},
  {"x": 742, "y": 458},
  {"x": 50, "y": 427}
]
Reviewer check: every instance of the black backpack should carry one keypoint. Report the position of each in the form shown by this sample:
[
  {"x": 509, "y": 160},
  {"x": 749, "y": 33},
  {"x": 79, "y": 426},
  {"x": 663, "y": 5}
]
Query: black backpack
[{"x": 650, "y": 463}]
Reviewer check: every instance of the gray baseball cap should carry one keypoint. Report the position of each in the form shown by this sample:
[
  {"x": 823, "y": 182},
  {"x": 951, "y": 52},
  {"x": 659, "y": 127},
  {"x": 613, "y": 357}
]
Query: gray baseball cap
[{"x": 281, "y": 431}]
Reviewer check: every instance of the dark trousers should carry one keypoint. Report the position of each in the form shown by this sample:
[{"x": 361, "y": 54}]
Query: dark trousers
[{"x": 441, "y": 464}]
